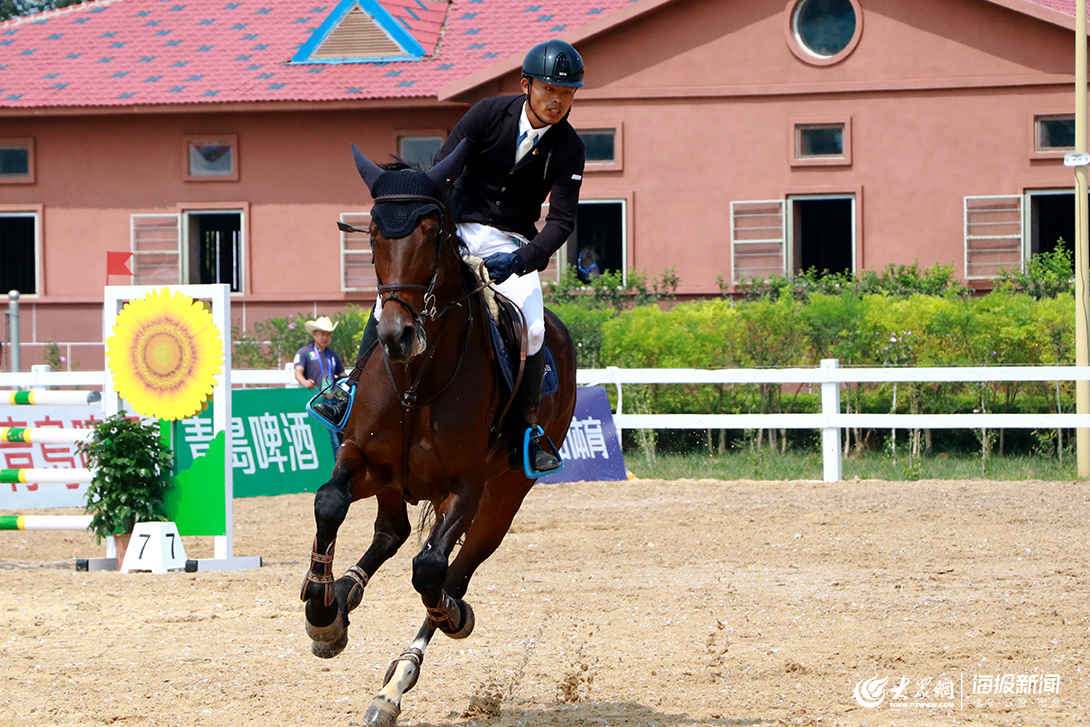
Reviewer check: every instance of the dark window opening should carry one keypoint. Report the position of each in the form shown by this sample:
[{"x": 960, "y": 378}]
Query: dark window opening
[
  {"x": 825, "y": 27},
  {"x": 824, "y": 235},
  {"x": 1052, "y": 218},
  {"x": 1055, "y": 132},
  {"x": 600, "y": 145},
  {"x": 419, "y": 151},
  {"x": 17, "y": 264},
  {"x": 215, "y": 249},
  {"x": 820, "y": 141},
  {"x": 598, "y": 239},
  {"x": 15, "y": 161}
]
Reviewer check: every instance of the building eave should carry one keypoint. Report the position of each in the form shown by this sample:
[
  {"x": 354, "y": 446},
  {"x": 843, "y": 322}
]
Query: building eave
[{"x": 231, "y": 107}]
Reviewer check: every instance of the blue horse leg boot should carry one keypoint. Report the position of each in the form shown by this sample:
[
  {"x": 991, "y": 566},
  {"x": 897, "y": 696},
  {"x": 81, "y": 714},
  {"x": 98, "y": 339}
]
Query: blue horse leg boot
[
  {"x": 534, "y": 459},
  {"x": 333, "y": 410}
]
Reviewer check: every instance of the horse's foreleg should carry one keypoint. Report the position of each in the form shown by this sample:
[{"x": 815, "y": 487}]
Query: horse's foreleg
[
  {"x": 450, "y": 615},
  {"x": 400, "y": 678},
  {"x": 331, "y": 504},
  {"x": 392, "y": 529}
]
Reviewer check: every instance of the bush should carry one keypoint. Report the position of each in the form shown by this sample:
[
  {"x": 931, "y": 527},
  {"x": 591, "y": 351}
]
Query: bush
[{"x": 131, "y": 466}]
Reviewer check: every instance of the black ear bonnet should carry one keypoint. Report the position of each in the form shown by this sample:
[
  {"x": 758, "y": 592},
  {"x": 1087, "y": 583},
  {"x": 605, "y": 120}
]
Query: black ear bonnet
[{"x": 397, "y": 218}]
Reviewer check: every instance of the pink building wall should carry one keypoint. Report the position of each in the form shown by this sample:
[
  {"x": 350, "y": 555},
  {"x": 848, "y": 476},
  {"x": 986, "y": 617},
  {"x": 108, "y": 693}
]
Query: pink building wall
[{"x": 940, "y": 97}]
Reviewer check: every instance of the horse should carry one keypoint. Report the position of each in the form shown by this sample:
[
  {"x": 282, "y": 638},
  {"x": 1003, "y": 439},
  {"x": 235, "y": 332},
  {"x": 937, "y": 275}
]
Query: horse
[{"x": 422, "y": 427}]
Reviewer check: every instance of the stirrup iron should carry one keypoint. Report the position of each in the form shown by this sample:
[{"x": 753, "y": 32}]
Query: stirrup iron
[{"x": 535, "y": 433}]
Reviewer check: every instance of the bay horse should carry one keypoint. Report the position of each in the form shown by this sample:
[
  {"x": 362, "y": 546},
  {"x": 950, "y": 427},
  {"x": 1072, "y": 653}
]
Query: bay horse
[{"x": 422, "y": 427}]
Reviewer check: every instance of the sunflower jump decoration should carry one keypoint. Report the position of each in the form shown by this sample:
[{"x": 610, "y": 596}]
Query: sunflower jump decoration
[{"x": 165, "y": 354}]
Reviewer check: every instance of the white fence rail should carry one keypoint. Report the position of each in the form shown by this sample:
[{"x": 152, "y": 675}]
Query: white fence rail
[
  {"x": 829, "y": 377},
  {"x": 831, "y": 421}
]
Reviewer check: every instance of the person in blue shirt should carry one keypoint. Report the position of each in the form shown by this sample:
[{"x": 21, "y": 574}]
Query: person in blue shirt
[{"x": 316, "y": 364}]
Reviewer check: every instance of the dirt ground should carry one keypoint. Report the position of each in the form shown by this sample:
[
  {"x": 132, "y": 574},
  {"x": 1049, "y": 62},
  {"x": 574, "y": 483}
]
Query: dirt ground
[{"x": 620, "y": 604}]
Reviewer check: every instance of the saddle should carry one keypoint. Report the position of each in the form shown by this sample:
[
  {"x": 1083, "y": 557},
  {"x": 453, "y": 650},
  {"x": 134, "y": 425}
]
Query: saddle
[{"x": 507, "y": 334}]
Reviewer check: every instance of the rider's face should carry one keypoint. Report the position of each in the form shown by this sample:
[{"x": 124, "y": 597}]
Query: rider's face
[{"x": 548, "y": 103}]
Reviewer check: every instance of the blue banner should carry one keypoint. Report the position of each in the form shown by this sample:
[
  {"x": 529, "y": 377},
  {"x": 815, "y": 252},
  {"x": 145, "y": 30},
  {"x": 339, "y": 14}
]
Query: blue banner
[{"x": 592, "y": 450}]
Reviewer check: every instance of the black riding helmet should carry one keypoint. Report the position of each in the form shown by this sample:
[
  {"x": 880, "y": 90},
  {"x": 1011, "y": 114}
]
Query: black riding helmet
[{"x": 554, "y": 62}]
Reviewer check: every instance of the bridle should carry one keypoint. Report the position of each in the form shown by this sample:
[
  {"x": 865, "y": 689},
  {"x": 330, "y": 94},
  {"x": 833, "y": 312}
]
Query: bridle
[{"x": 392, "y": 289}]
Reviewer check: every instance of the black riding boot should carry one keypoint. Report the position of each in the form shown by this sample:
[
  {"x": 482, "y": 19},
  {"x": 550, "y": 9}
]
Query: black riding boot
[
  {"x": 530, "y": 396},
  {"x": 332, "y": 410}
]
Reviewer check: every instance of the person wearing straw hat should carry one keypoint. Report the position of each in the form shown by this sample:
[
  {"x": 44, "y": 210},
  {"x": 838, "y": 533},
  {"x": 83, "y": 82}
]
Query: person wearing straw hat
[{"x": 316, "y": 364}]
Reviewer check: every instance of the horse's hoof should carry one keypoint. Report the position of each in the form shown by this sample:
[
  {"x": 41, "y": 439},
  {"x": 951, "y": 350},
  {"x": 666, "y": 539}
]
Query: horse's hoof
[
  {"x": 381, "y": 713},
  {"x": 328, "y": 641},
  {"x": 329, "y": 650},
  {"x": 468, "y": 622}
]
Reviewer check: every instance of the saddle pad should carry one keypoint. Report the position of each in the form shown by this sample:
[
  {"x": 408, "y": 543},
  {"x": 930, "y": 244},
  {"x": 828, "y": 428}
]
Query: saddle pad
[{"x": 507, "y": 367}]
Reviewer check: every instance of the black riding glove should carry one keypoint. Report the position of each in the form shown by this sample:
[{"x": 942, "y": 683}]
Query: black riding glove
[{"x": 503, "y": 265}]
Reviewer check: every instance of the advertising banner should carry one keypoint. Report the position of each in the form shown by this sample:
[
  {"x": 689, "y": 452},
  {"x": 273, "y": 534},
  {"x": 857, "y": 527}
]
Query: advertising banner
[
  {"x": 592, "y": 450},
  {"x": 277, "y": 447}
]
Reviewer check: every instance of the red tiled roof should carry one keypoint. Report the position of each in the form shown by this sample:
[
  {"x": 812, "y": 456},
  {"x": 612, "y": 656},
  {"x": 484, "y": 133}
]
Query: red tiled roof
[
  {"x": 160, "y": 52},
  {"x": 1064, "y": 6},
  {"x": 172, "y": 52}
]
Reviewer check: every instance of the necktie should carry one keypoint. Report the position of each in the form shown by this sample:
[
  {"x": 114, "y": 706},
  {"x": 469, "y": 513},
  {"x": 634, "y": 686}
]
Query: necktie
[{"x": 526, "y": 143}]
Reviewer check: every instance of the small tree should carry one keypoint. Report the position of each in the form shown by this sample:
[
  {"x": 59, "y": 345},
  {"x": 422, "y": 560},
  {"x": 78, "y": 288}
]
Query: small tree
[{"x": 131, "y": 465}]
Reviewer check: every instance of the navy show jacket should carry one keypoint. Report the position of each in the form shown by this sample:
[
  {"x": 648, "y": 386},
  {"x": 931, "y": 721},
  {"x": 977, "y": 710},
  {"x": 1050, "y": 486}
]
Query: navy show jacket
[{"x": 493, "y": 190}]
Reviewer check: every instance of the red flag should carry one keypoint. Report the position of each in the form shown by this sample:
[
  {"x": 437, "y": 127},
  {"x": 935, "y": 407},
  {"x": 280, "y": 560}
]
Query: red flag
[{"x": 115, "y": 263}]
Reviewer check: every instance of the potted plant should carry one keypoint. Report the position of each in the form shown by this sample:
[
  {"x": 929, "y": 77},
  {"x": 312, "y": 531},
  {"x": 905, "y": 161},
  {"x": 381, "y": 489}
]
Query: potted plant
[{"x": 131, "y": 465}]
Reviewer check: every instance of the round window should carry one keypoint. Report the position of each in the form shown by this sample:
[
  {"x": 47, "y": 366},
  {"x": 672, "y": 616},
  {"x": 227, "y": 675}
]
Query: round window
[{"x": 824, "y": 27}]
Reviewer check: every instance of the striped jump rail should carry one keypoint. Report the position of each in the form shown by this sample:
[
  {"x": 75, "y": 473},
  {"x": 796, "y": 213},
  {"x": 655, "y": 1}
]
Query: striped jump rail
[
  {"x": 43, "y": 435},
  {"x": 45, "y": 522},
  {"x": 40, "y": 476},
  {"x": 51, "y": 398}
]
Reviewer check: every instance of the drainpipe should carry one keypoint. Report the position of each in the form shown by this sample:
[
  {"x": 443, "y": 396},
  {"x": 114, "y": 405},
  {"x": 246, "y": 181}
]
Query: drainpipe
[
  {"x": 1082, "y": 249},
  {"x": 13, "y": 322}
]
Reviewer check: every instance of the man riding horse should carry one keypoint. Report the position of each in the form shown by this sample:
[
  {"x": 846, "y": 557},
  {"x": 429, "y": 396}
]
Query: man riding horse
[{"x": 521, "y": 149}]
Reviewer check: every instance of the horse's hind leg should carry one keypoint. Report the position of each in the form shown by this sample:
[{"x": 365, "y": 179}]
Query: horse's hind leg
[
  {"x": 400, "y": 678},
  {"x": 430, "y": 566},
  {"x": 501, "y": 502},
  {"x": 498, "y": 505}
]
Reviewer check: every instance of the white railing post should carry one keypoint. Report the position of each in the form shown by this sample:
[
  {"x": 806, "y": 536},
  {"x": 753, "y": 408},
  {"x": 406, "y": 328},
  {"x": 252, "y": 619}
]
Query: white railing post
[
  {"x": 37, "y": 370},
  {"x": 832, "y": 465}
]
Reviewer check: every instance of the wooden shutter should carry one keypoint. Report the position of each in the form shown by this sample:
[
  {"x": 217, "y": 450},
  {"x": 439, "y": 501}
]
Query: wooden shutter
[
  {"x": 156, "y": 245},
  {"x": 993, "y": 236},
  {"x": 357, "y": 36},
  {"x": 756, "y": 240},
  {"x": 357, "y": 263}
]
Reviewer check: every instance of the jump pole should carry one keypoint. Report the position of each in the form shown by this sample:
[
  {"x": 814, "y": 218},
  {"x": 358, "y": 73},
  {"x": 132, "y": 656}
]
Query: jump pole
[
  {"x": 43, "y": 435},
  {"x": 56, "y": 476},
  {"x": 50, "y": 398},
  {"x": 45, "y": 522}
]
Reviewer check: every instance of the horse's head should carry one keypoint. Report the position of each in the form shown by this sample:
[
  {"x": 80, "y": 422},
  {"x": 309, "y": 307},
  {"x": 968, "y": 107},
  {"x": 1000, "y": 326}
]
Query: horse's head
[{"x": 414, "y": 243}]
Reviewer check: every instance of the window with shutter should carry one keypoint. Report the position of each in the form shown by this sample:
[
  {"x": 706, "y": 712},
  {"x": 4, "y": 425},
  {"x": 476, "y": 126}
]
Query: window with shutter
[
  {"x": 156, "y": 249},
  {"x": 756, "y": 240},
  {"x": 993, "y": 235},
  {"x": 357, "y": 262}
]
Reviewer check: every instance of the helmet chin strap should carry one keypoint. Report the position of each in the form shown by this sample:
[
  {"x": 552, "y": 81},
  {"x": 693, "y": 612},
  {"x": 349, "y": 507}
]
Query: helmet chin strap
[{"x": 531, "y": 106}]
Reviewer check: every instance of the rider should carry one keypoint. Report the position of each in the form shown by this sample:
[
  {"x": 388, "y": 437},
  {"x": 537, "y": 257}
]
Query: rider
[{"x": 521, "y": 150}]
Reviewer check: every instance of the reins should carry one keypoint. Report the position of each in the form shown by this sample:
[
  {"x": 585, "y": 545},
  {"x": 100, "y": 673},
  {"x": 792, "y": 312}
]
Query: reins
[{"x": 408, "y": 396}]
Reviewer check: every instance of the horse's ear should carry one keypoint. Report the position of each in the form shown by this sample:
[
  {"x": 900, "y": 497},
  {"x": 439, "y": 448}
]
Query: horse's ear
[
  {"x": 451, "y": 166},
  {"x": 368, "y": 169}
]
